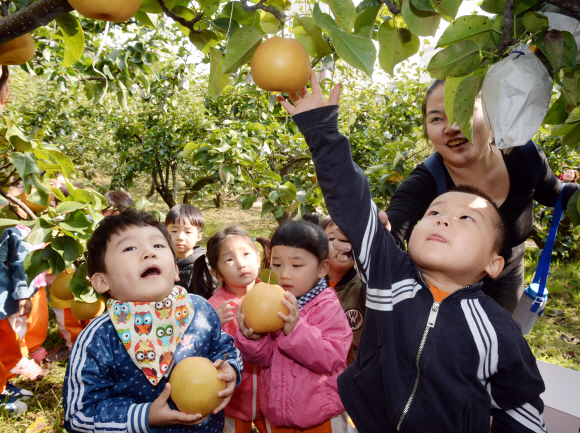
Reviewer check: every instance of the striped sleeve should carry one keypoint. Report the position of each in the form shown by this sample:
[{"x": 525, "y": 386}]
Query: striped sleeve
[
  {"x": 507, "y": 369},
  {"x": 348, "y": 198},
  {"x": 88, "y": 398}
]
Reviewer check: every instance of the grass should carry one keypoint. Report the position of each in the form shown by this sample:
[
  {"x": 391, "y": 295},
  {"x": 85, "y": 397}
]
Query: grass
[{"x": 555, "y": 337}]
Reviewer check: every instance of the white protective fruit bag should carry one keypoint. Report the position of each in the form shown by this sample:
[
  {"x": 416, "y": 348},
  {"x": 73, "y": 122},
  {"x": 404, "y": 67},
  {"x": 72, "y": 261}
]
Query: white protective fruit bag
[{"x": 515, "y": 97}]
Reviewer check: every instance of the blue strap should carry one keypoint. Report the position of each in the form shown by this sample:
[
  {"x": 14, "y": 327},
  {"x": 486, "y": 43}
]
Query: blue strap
[
  {"x": 436, "y": 169},
  {"x": 541, "y": 275}
]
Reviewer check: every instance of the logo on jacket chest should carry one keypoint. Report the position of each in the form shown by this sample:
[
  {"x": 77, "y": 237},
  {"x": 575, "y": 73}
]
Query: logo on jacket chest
[{"x": 355, "y": 318}]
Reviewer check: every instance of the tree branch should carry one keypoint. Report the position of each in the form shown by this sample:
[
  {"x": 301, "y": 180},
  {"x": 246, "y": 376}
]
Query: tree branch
[
  {"x": 31, "y": 17},
  {"x": 18, "y": 203},
  {"x": 508, "y": 21},
  {"x": 391, "y": 6},
  {"x": 279, "y": 15},
  {"x": 185, "y": 23}
]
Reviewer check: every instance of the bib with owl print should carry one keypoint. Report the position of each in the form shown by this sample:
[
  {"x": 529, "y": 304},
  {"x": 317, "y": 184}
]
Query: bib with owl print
[{"x": 151, "y": 331}]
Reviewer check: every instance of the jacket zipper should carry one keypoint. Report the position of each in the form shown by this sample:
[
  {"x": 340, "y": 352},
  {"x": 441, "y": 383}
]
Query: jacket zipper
[{"x": 430, "y": 324}]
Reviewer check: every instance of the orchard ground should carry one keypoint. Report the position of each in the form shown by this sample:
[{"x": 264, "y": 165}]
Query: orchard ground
[{"x": 555, "y": 338}]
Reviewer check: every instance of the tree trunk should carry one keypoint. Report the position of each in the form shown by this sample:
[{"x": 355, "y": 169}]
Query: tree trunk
[
  {"x": 174, "y": 178},
  {"x": 217, "y": 200},
  {"x": 162, "y": 188}
]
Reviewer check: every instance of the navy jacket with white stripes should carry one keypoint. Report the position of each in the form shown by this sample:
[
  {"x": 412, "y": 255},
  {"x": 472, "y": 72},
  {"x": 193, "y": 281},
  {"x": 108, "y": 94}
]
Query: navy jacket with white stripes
[
  {"x": 422, "y": 366},
  {"x": 104, "y": 391}
]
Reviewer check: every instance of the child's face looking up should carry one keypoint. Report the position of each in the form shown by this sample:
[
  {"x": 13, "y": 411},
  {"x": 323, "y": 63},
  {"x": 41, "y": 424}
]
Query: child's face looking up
[
  {"x": 140, "y": 266},
  {"x": 184, "y": 237},
  {"x": 456, "y": 238},
  {"x": 238, "y": 264},
  {"x": 297, "y": 270}
]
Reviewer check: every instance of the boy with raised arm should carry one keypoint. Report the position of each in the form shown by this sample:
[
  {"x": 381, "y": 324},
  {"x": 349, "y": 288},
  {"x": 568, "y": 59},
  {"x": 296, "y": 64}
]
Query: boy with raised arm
[{"x": 436, "y": 354}]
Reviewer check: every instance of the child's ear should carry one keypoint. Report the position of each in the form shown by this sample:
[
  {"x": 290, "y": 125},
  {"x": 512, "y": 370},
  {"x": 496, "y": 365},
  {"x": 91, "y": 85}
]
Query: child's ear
[
  {"x": 176, "y": 273},
  {"x": 495, "y": 267},
  {"x": 323, "y": 268},
  {"x": 99, "y": 283},
  {"x": 199, "y": 236}
]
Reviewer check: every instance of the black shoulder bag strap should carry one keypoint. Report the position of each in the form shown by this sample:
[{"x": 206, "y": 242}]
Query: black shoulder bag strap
[{"x": 436, "y": 169}]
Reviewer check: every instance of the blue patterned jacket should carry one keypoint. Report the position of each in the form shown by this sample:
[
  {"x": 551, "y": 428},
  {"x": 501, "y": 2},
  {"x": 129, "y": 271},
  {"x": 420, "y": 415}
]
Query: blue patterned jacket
[
  {"x": 13, "y": 285},
  {"x": 105, "y": 392}
]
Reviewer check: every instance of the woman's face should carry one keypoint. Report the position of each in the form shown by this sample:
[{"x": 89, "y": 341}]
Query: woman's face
[{"x": 448, "y": 140}]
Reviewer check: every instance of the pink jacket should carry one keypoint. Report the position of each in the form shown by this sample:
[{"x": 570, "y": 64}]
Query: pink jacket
[
  {"x": 244, "y": 404},
  {"x": 299, "y": 388}
]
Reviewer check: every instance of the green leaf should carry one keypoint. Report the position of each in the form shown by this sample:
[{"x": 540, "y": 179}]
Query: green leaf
[
  {"x": 365, "y": 21},
  {"x": 310, "y": 36},
  {"x": 268, "y": 276},
  {"x": 557, "y": 113},
  {"x": 67, "y": 247},
  {"x": 451, "y": 85},
  {"x": 535, "y": 22},
  {"x": 55, "y": 261},
  {"x": 572, "y": 138},
  {"x": 523, "y": 5},
  {"x": 16, "y": 137},
  {"x": 269, "y": 23},
  {"x": 344, "y": 12},
  {"x": 470, "y": 27},
  {"x": 273, "y": 175},
  {"x": 493, "y": 6},
  {"x": 242, "y": 45},
  {"x": 69, "y": 206},
  {"x": 423, "y": 5},
  {"x": 147, "y": 19},
  {"x": 574, "y": 116},
  {"x": 267, "y": 207},
  {"x": 357, "y": 51},
  {"x": 64, "y": 161},
  {"x": 573, "y": 208},
  {"x": 396, "y": 43},
  {"x": 79, "y": 282},
  {"x": 559, "y": 48},
  {"x": 459, "y": 59},
  {"x": 239, "y": 15},
  {"x": 247, "y": 201},
  {"x": 217, "y": 80},
  {"x": 34, "y": 264},
  {"x": 6, "y": 222},
  {"x": 447, "y": 8},
  {"x": 74, "y": 39},
  {"x": 41, "y": 232},
  {"x": 420, "y": 22},
  {"x": 464, "y": 102},
  {"x": 25, "y": 164}
]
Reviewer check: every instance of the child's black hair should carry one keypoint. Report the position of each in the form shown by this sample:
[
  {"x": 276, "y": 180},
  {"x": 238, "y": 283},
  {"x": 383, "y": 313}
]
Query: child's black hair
[
  {"x": 302, "y": 234},
  {"x": 326, "y": 222},
  {"x": 119, "y": 199},
  {"x": 499, "y": 223},
  {"x": 185, "y": 213},
  {"x": 202, "y": 277},
  {"x": 115, "y": 224}
]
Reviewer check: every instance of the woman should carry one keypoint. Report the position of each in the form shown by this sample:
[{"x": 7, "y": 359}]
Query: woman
[{"x": 513, "y": 180}]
